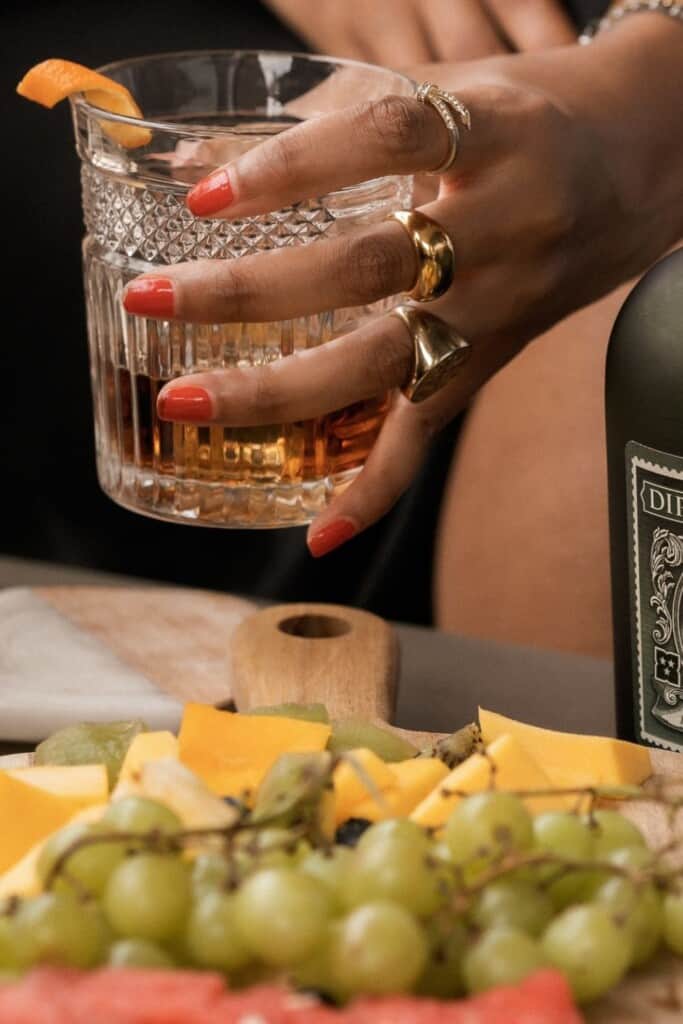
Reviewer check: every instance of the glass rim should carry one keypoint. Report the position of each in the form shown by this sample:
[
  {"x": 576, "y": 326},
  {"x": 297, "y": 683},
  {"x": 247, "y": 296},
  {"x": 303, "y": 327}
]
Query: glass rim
[{"x": 196, "y": 128}]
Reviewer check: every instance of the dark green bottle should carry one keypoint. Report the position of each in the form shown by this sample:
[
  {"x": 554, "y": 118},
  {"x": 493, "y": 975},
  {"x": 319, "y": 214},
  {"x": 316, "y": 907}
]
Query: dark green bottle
[{"x": 644, "y": 408}]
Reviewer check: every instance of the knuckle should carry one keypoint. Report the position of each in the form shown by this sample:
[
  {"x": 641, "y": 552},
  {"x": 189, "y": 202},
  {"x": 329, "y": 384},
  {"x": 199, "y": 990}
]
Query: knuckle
[
  {"x": 374, "y": 269},
  {"x": 389, "y": 362},
  {"x": 284, "y": 157},
  {"x": 399, "y": 123},
  {"x": 265, "y": 395},
  {"x": 232, "y": 290}
]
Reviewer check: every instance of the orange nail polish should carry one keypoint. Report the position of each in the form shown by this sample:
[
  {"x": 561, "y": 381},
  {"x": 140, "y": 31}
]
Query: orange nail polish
[
  {"x": 185, "y": 403},
  {"x": 210, "y": 195},
  {"x": 150, "y": 296},
  {"x": 331, "y": 536}
]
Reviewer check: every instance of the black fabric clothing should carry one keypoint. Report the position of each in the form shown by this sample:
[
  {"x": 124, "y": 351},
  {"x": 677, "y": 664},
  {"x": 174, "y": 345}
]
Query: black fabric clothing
[{"x": 51, "y": 505}]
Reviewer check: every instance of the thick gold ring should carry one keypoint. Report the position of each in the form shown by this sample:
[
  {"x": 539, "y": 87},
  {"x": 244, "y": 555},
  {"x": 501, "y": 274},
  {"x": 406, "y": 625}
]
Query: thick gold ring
[
  {"x": 451, "y": 111},
  {"x": 439, "y": 352},
  {"x": 434, "y": 251}
]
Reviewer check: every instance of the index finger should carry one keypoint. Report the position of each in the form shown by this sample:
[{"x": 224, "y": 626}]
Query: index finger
[{"x": 392, "y": 135}]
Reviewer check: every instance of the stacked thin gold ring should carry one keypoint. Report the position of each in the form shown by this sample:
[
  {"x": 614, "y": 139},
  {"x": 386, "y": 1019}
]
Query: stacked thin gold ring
[{"x": 452, "y": 112}]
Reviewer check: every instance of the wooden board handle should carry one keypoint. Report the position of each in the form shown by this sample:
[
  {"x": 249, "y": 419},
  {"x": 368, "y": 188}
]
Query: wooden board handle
[{"x": 308, "y": 653}]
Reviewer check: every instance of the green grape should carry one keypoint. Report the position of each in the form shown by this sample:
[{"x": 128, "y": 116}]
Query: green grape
[
  {"x": 442, "y": 975},
  {"x": 612, "y": 831},
  {"x": 138, "y": 953},
  {"x": 397, "y": 868},
  {"x": 296, "y": 791},
  {"x": 564, "y": 834},
  {"x": 282, "y": 915},
  {"x": 90, "y": 743},
  {"x": 378, "y": 948},
  {"x": 148, "y": 897},
  {"x": 304, "y": 712},
  {"x": 89, "y": 868},
  {"x": 502, "y": 956},
  {"x": 568, "y": 836},
  {"x": 354, "y": 734},
  {"x": 441, "y": 852},
  {"x": 8, "y": 958},
  {"x": 486, "y": 826},
  {"x": 329, "y": 867},
  {"x": 56, "y": 928},
  {"x": 140, "y": 815},
  {"x": 573, "y": 887},
  {"x": 589, "y": 948},
  {"x": 513, "y": 904},
  {"x": 673, "y": 922},
  {"x": 395, "y": 829},
  {"x": 636, "y": 908},
  {"x": 315, "y": 972},
  {"x": 210, "y": 871},
  {"x": 268, "y": 848},
  {"x": 212, "y": 939}
]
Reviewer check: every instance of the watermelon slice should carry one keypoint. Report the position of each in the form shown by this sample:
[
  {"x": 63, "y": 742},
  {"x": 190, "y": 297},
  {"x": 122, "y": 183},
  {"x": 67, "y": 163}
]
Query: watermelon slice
[
  {"x": 107, "y": 996},
  {"x": 542, "y": 998}
]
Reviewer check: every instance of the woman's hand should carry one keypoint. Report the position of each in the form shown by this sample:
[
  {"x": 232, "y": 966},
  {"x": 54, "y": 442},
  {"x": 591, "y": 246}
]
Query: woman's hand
[
  {"x": 539, "y": 222},
  {"x": 399, "y": 33}
]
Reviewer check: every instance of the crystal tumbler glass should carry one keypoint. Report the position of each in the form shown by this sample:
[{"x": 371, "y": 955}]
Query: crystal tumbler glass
[{"x": 203, "y": 109}]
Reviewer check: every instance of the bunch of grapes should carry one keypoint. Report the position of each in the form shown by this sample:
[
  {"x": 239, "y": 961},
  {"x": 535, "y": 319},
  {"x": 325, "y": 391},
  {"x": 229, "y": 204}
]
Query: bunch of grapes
[{"x": 494, "y": 896}]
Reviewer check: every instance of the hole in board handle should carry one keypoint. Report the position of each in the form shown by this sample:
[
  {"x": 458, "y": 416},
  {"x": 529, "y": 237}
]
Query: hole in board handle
[{"x": 314, "y": 627}]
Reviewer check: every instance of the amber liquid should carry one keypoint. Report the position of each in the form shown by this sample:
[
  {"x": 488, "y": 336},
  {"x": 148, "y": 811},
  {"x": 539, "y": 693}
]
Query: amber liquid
[{"x": 281, "y": 454}]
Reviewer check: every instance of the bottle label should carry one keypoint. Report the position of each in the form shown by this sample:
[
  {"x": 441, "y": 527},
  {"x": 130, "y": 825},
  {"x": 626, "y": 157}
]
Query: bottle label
[{"x": 655, "y": 529}]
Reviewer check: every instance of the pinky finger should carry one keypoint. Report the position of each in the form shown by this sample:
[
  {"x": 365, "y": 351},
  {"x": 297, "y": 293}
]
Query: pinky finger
[
  {"x": 391, "y": 466},
  {"x": 402, "y": 445}
]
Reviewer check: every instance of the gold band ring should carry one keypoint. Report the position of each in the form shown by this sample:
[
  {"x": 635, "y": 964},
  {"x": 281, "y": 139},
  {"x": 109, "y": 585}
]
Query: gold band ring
[
  {"x": 434, "y": 251},
  {"x": 439, "y": 352},
  {"x": 451, "y": 111}
]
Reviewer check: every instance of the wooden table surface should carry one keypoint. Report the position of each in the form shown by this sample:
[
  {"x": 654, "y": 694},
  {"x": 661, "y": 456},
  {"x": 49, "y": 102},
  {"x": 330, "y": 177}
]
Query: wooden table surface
[{"x": 443, "y": 676}]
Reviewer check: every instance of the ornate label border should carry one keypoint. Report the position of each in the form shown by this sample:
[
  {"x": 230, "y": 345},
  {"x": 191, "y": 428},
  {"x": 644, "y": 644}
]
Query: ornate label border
[{"x": 633, "y": 463}]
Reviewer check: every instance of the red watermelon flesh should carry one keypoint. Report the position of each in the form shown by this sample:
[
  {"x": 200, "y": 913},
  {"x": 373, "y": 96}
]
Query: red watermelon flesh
[
  {"x": 57, "y": 996},
  {"x": 542, "y": 998}
]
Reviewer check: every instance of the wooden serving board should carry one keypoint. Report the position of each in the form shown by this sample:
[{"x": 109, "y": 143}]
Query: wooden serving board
[
  {"x": 104, "y": 653},
  {"x": 98, "y": 653}
]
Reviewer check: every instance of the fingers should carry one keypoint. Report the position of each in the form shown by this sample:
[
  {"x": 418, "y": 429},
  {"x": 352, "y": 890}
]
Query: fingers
[
  {"x": 392, "y": 34},
  {"x": 401, "y": 448},
  {"x": 363, "y": 364},
  {"x": 462, "y": 32},
  {"x": 392, "y": 135},
  {"x": 533, "y": 24},
  {"x": 391, "y": 465},
  {"x": 348, "y": 271}
]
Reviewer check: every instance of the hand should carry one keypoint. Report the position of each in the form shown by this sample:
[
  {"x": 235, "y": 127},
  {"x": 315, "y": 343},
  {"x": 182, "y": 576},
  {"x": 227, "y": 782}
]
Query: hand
[
  {"x": 539, "y": 220},
  {"x": 399, "y": 33}
]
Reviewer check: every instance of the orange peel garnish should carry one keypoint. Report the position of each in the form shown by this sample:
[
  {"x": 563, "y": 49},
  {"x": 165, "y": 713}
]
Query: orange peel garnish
[{"x": 53, "y": 80}]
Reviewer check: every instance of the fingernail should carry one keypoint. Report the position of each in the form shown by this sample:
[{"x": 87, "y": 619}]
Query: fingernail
[
  {"x": 331, "y": 536},
  {"x": 210, "y": 195},
  {"x": 149, "y": 296},
  {"x": 185, "y": 403}
]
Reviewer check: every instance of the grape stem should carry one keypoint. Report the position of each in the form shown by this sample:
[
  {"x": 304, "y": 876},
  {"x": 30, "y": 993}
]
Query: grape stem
[{"x": 159, "y": 842}]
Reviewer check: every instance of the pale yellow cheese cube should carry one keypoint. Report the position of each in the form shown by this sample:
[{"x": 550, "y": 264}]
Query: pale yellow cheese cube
[
  {"x": 506, "y": 766},
  {"x": 569, "y": 759},
  {"x": 146, "y": 747},
  {"x": 80, "y": 784}
]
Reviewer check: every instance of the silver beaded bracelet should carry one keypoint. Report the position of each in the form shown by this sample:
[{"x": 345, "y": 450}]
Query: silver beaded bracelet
[{"x": 673, "y": 8}]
